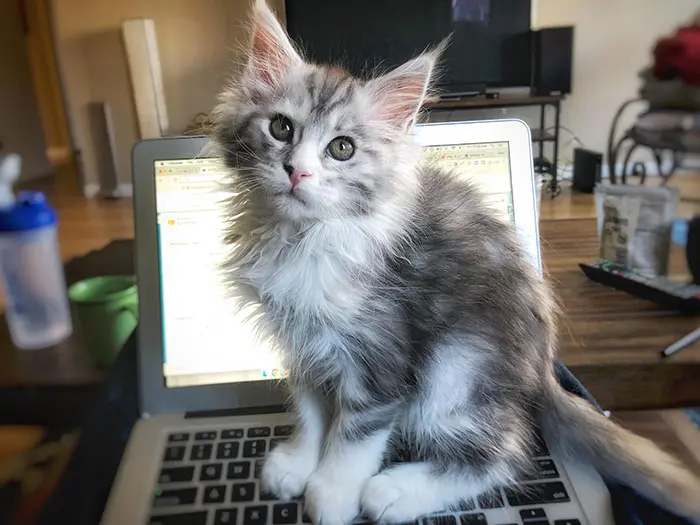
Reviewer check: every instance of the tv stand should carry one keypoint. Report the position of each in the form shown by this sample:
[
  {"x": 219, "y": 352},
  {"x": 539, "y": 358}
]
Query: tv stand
[
  {"x": 540, "y": 135},
  {"x": 469, "y": 96}
]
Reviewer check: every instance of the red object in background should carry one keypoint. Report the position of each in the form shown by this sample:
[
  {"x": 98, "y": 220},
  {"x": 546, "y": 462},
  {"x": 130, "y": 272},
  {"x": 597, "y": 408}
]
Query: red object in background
[{"x": 679, "y": 56}]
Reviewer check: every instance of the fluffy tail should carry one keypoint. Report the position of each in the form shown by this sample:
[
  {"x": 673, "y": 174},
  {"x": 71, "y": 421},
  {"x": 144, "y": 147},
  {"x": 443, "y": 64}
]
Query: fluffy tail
[{"x": 575, "y": 430}]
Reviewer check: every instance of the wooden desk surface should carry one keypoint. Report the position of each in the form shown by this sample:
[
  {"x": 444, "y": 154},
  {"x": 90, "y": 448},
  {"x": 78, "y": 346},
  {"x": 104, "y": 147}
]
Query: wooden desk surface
[{"x": 609, "y": 339}]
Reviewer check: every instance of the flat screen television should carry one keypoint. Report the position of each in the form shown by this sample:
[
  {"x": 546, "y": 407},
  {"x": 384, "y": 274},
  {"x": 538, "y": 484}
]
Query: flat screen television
[{"x": 490, "y": 43}]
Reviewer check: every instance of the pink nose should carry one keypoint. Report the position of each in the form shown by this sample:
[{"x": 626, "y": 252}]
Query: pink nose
[{"x": 296, "y": 177}]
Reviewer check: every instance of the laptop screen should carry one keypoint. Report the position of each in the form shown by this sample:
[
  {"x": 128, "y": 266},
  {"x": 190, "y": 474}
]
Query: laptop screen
[{"x": 205, "y": 340}]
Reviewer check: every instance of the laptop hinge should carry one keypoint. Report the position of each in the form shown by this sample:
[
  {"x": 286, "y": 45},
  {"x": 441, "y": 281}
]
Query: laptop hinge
[{"x": 229, "y": 412}]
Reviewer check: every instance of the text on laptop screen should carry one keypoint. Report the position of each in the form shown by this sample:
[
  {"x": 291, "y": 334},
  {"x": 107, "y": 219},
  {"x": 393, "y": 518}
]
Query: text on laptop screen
[
  {"x": 205, "y": 340},
  {"x": 487, "y": 165}
]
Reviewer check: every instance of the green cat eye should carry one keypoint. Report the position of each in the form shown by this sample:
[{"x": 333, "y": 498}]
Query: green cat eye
[
  {"x": 281, "y": 128},
  {"x": 341, "y": 148}
]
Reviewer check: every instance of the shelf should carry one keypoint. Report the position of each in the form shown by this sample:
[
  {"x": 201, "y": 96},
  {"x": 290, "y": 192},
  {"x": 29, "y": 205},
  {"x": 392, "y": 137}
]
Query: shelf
[
  {"x": 539, "y": 135},
  {"x": 501, "y": 102}
]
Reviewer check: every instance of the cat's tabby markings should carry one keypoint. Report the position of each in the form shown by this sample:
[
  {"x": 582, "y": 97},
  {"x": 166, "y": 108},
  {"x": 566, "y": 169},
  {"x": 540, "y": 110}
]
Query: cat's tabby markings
[{"x": 407, "y": 313}]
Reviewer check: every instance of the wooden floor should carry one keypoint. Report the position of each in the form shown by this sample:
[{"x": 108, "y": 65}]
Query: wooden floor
[{"x": 87, "y": 224}]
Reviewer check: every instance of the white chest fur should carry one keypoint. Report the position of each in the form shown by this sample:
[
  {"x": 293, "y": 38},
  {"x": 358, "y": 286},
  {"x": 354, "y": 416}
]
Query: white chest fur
[{"x": 323, "y": 270}]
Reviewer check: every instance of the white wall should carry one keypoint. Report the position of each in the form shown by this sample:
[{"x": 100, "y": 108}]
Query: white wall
[
  {"x": 197, "y": 40},
  {"x": 613, "y": 41}
]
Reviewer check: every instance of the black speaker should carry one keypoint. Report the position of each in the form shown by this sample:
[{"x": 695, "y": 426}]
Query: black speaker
[
  {"x": 693, "y": 248},
  {"x": 587, "y": 166},
  {"x": 552, "y": 59}
]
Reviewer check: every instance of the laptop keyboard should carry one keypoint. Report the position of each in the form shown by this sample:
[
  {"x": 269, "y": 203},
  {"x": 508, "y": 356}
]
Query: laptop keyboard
[{"x": 211, "y": 477}]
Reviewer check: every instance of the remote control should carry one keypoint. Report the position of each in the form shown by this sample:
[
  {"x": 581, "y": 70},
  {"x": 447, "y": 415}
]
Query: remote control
[{"x": 684, "y": 297}]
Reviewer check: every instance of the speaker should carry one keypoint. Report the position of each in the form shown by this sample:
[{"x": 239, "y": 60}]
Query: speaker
[
  {"x": 552, "y": 59},
  {"x": 587, "y": 166},
  {"x": 693, "y": 248}
]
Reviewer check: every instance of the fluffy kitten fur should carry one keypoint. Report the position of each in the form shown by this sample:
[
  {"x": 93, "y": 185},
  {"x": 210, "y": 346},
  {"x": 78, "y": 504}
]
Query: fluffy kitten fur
[{"x": 407, "y": 313}]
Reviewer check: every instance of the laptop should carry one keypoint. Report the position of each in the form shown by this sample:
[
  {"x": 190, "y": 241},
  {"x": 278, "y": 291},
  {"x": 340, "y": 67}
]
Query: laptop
[{"x": 212, "y": 395}]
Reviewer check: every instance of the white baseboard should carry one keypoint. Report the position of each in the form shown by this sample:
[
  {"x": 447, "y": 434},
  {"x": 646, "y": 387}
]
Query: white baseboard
[
  {"x": 91, "y": 190},
  {"x": 123, "y": 191}
]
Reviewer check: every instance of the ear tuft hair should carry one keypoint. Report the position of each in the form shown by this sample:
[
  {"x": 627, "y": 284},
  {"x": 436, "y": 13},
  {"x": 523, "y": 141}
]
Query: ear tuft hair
[
  {"x": 399, "y": 94},
  {"x": 271, "y": 52}
]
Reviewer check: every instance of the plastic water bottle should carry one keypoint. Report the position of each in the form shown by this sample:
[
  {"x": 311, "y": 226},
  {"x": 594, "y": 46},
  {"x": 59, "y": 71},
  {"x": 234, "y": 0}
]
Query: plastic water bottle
[{"x": 37, "y": 308}]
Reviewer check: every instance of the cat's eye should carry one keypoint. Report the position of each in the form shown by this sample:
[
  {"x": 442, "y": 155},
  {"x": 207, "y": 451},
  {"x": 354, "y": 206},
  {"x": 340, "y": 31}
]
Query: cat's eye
[
  {"x": 281, "y": 128},
  {"x": 341, "y": 148}
]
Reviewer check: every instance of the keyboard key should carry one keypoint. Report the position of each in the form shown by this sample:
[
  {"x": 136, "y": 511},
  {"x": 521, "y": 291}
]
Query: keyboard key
[
  {"x": 467, "y": 504},
  {"x": 283, "y": 430},
  {"x": 544, "y": 469},
  {"x": 537, "y": 494},
  {"x": 259, "y": 432},
  {"x": 232, "y": 433},
  {"x": 225, "y": 516},
  {"x": 567, "y": 522},
  {"x": 243, "y": 492},
  {"x": 259, "y": 464},
  {"x": 491, "y": 500},
  {"x": 276, "y": 441},
  {"x": 532, "y": 514},
  {"x": 178, "y": 437},
  {"x": 174, "y": 454},
  {"x": 439, "y": 520},
  {"x": 200, "y": 452},
  {"x": 255, "y": 515},
  {"x": 214, "y": 494},
  {"x": 187, "y": 518},
  {"x": 238, "y": 470},
  {"x": 176, "y": 474},
  {"x": 167, "y": 498},
  {"x": 306, "y": 518},
  {"x": 254, "y": 449},
  {"x": 227, "y": 450},
  {"x": 540, "y": 447},
  {"x": 473, "y": 519},
  {"x": 267, "y": 496},
  {"x": 211, "y": 472},
  {"x": 208, "y": 435},
  {"x": 284, "y": 513}
]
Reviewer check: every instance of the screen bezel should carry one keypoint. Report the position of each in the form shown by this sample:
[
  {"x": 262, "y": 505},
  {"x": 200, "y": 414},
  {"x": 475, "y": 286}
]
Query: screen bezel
[
  {"x": 522, "y": 175},
  {"x": 154, "y": 396}
]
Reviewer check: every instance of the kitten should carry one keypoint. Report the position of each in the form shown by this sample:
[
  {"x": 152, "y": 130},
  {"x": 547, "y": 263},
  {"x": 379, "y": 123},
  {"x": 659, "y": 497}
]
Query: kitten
[{"x": 407, "y": 313}]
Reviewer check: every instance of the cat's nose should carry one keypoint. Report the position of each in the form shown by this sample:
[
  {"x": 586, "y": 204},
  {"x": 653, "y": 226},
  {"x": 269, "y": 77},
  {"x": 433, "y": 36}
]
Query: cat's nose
[{"x": 295, "y": 175}]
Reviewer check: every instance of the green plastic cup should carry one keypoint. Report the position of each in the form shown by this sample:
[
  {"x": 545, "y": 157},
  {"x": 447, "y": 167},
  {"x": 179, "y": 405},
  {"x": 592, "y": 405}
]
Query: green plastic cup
[{"x": 106, "y": 309}]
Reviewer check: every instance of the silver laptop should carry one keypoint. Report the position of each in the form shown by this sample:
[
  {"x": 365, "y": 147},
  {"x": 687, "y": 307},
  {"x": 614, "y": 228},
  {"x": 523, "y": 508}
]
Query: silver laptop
[{"x": 212, "y": 395}]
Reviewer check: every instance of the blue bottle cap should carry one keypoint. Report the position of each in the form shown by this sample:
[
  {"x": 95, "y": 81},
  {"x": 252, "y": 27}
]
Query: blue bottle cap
[{"x": 30, "y": 211}]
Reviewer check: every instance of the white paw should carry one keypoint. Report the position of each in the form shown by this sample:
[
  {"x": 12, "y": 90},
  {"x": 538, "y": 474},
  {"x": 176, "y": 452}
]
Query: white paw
[
  {"x": 287, "y": 470},
  {"x": 332, "y": 499},
  {"x": 390, "y": 497}
]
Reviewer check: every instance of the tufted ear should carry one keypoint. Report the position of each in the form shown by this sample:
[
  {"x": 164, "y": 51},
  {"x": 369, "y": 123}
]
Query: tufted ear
[
  {"x": 271, "y": 52},
  {"x": 399, "y": 94}
]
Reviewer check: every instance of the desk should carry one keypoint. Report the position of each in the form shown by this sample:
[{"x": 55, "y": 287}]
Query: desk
[{"x": 609, "y": 339}]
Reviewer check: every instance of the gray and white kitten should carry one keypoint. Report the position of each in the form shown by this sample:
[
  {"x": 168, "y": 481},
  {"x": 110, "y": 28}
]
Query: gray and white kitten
[{"x": 408, "y": 315}]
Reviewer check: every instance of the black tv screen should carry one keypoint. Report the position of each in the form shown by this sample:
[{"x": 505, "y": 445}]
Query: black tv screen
[{"x": 489, "y": 45}]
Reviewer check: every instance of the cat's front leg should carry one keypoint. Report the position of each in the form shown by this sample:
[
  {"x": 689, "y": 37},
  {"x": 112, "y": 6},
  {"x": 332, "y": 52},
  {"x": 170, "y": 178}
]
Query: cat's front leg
[
  {"x": 290, "y": 464},
  {"x": 355, "y": 448}
]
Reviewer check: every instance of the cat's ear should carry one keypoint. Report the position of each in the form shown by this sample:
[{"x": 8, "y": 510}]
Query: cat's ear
[
  {"x": 398, "y": 95},
  {"x": 271, "y": 52}
]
